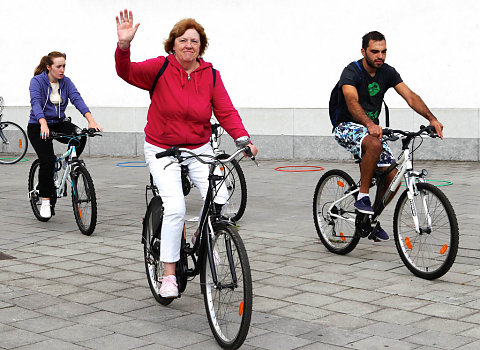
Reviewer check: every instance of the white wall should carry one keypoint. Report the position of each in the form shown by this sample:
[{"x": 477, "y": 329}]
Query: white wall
[{"x": 271, "y": 53}]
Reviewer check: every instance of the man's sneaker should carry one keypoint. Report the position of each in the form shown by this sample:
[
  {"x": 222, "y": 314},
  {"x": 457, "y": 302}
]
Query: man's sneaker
[
  {"x": 380, "y": 234},
  {"x": 364, "y": 205},
  {"x": 45, "y": 211},
  {"x": 169, "y": 288}
]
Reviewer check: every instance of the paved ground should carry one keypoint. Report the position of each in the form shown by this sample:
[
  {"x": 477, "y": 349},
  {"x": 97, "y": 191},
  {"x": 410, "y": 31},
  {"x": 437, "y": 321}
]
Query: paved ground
[{"x": 64, "y": 290}]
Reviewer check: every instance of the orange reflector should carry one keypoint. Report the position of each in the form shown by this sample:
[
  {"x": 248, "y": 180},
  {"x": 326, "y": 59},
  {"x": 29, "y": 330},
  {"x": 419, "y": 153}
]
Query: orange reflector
[
  {"x": 20, "y": 143},
  {"x": 222, "y": 168},
  {"x": 443, "y": 249},
  {"x": 408, "y": 243},
  {"x": 240, "y": 309},
  {"x": 80, "y": 212},
  {"x": 342, "y": 237},
  {"x": 340, "y": 183}
]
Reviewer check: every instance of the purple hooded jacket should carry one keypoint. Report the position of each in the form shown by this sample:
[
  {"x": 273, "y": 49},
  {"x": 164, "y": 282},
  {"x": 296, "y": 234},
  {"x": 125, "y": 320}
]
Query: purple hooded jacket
[{"x": 42, "y": 107}]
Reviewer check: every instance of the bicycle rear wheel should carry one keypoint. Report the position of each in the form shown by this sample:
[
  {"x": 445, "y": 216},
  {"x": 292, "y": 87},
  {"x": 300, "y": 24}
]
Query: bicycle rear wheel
[
  {"x": 229, "y": 303},
  {"x": 151, "y": 239},
  {"x": 236, "y": 187},
  {"x": 13, "y": 143},
  {"x": 431, "y": 253},
  {"x": 35, "y": 200},
  {"x": 84, "y": 200},
  {"x": 336, "y": 228}
]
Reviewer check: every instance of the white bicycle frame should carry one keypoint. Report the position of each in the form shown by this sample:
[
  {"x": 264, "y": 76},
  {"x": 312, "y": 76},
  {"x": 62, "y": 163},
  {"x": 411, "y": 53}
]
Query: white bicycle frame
[
  {"x": 71, "y": 153},
  {"x": 60, "y": 186},
  {"x": 404, "y": 163}
]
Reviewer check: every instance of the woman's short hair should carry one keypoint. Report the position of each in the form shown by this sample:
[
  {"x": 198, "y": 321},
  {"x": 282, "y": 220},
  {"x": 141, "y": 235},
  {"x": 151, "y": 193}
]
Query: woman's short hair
[
  {"x": 48, "y": 61},
  {"x": 180, "y": 28}
]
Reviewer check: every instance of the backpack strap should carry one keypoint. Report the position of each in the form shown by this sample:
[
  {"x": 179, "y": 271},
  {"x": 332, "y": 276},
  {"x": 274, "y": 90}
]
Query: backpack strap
[
  {"x": 159, "y": 74},
  {"x": 387, "y": 115},
  {"x": 358, "y": 65}
]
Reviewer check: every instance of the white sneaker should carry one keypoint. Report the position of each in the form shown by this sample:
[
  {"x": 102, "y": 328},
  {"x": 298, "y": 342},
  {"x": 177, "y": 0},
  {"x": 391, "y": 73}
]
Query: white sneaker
[
  {"x": 169, "y": 288},
  {"x": 45, "y": 211}
]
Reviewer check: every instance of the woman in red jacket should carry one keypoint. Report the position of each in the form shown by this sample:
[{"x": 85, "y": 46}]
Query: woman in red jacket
[{"x": 179, "y": 115}]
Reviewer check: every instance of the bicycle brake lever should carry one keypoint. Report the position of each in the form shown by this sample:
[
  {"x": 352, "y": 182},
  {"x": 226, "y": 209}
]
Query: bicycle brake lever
[{"x": 173, "y": 161}]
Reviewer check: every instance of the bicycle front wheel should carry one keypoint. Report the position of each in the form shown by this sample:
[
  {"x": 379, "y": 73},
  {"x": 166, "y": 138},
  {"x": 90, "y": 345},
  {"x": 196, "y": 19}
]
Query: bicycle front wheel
[
  {"x": 84, "y": 200},
  {"x": 236, "y": 187},
  {"x": 228, "y": 302},
  {"x": 35, "y": 199},
  {"x": 334, "y": 213},
  {"x": 13, "y": 143},
  {"x": 430, "y": 253}
]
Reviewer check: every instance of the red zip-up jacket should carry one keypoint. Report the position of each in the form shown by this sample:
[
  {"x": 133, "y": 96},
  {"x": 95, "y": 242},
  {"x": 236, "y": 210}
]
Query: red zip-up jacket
[{"x": 182, "y": 104}]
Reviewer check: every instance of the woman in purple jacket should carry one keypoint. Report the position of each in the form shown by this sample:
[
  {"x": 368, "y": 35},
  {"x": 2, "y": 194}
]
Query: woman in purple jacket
[{"x": 50, "y": 91}]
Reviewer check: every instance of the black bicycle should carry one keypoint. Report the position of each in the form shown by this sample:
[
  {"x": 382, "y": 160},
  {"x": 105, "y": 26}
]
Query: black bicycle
[
  {"x": 13, "y": 140},
  {"x": 218, "y": 256},
  {"x": 234, "y": 182},
  {"x": 424, "y": 224},
  {"x": 84, "y": 199}
]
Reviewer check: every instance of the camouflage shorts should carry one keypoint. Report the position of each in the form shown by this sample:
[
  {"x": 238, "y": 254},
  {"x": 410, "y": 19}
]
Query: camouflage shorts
[{"x": 350, "y": 135}]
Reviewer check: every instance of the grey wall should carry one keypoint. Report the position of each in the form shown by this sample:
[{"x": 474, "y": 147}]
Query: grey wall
[{"x": 289, "y": 133}]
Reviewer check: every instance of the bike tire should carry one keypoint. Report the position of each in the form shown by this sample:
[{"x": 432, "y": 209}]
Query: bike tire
[
  {"x": 35, "y": 200},
  {"x": 13, "y": 143},
  {"x": 229, "y": 309},
  {"x": 426, "y": 255},
  {"x": 236, "y": 187},
  {"x": 84, "y": 199},
  {"x": 337, "y": 235},
  {"x": 152, "y": 223}
]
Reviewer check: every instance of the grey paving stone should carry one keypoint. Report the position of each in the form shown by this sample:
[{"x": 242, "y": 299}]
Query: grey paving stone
[
  {"x": 121, "y": 305},
  {"x": 42, "y": 324},
  {"x": 77, "y": 333},
  {"x": 276, "y": 341},
  {"x": 175, "y": 337},
  {"x": 17, "y": 337},
  {"x": 439, "y": 339},
  {"x": 114, "y": 342},
  {"x": 380, "y": 343},
  {"x": 99, "y": 319},
  {"x": 52, "y": 344}
]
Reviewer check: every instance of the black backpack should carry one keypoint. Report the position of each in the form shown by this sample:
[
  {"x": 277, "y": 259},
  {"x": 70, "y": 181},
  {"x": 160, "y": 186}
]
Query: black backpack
[
  {"x": 333, "y": 105},
  {"x": 160, "y": 72}
]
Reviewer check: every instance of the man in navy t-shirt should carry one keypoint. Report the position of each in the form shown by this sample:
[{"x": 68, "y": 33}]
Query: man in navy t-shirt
[{"x": 361, "y": 89}]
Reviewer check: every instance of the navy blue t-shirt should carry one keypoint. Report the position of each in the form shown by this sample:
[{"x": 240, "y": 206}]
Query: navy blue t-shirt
[{"x": 370, "y": 90}]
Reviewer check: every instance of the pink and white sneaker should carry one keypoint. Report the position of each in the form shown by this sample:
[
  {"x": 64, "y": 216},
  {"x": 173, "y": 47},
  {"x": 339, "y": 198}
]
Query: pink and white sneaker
[{"x": 169, "y": 288}]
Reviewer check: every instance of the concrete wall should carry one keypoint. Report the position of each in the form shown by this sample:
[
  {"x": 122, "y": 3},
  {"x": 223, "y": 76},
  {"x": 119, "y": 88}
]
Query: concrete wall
[{"x": 285, "y": 133}]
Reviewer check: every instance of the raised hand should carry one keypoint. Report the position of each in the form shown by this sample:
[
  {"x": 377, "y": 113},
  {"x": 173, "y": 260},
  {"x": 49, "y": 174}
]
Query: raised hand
[{"x": 125, "y": 29}]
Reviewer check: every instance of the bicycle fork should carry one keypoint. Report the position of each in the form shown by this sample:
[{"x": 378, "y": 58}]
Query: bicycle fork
[
  {"x": 412, "y": 191},
  {"x": 212, "y": 260}
]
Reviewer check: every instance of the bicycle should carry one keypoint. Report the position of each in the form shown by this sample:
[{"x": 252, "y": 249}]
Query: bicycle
[
  {"x": 14, "y": 140},
  {"x": 424, "y": 224},
  {"x": 218, "y": 256},
  {"x": 234, "y": 179},
  {"x": 84, "y": 200}
]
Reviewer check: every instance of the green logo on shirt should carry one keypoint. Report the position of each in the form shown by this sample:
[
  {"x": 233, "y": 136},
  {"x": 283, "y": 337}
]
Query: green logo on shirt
[
  {"x": 372, "y": 115},
  {"x": 373, "y": 89}
]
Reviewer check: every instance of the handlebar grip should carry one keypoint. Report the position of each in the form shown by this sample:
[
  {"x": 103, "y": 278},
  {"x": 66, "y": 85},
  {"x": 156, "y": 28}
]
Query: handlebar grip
[{"x": 171, "y": 152}]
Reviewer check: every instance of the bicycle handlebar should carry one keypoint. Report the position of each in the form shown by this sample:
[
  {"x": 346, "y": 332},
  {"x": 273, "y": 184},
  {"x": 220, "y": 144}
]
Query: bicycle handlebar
[
  {"x": 82, "y": 133},
  {"x": 390, "y": 133},
  {"x": 176, "y": 152}
]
